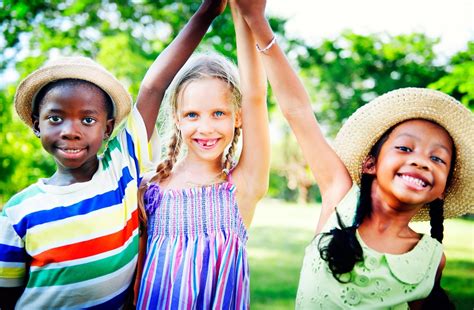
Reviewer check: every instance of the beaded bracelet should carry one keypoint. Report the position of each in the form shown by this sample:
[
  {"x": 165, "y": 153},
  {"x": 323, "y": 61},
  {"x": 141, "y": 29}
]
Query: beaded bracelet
[{"x": 266, "y": 48}]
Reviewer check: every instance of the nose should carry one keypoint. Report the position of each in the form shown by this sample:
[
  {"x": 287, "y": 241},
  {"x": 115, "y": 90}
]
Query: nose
[
  {"x": 420, "y": 162},
  {"x": 205, "y": 126},
  {"x": 70, "y": 130}
]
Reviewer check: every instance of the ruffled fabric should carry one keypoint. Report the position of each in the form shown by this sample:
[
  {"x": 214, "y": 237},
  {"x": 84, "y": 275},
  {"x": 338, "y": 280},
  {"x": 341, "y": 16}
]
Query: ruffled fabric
[{"x": 196, "y": 257}]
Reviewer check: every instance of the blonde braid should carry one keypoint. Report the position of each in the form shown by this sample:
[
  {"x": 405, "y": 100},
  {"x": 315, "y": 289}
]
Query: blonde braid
[
  {"x": 163, "y": 171},
  {"x": 230, "y": 154}
]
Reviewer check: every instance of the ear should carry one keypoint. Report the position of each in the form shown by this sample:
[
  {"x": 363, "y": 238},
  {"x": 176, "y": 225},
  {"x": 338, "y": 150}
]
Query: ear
[
  {"x": 176, "y": 121},
  {"x": 238, "y": 119},
  {"x": 36, "y": 129},
  {"x": 109, "y": 128},
  {"x": 368, "y": 167}
]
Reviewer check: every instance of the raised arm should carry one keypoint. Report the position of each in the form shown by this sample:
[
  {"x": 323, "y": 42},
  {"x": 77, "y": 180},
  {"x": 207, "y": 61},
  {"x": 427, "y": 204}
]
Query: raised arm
[
  {"x": 170, "y": 61},
  {"x": 329, "y": 171},
  {"x": 252, "y": 172}
]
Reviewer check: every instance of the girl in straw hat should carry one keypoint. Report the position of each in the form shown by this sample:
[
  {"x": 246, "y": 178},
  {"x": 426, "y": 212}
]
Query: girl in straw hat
[
  {"x": 404, "y": 156},
  {"x": 199, "y": 205},
  {"x": 71, "y": 241}
]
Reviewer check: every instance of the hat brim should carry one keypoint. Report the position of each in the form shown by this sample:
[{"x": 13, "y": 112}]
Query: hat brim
[
  {"x": 71, "y": 68},
  {"x": 365, "y": 127}
]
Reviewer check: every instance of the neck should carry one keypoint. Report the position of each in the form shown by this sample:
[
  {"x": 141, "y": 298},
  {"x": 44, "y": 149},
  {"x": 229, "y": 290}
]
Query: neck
[
  {"x": 64, "y": 176},
  {"x": 389, "y": 216},
  {"x": 193, "y": 172},
  {"x": 199, "y": 166}
]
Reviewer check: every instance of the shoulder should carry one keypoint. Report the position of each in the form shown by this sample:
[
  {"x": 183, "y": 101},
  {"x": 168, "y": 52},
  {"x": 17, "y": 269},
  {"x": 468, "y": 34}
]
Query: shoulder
[{"x": 27, "y": 193}]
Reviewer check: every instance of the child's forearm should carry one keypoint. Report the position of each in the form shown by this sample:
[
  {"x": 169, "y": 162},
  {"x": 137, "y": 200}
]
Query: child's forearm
[
  {"x": 171, "y": 60},
  {"x": 254, "y": 117},
  {"x": 329, "y": 171},
  {"x": 288, "y": 89}
]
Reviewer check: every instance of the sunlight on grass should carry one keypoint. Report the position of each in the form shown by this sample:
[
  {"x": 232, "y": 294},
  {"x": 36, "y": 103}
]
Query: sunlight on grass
[{"x": 280, "y": 232}]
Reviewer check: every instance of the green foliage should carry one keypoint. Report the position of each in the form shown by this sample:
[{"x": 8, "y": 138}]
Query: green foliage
[
  {"x": 124, "y": 36},
  {"x": 345, "y": 73},
  {"x": 459, "y": 82}
]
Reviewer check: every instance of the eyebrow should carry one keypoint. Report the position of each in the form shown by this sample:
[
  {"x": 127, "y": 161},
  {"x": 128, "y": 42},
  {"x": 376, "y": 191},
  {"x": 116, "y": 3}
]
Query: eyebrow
[{"x": 418, "y": 139}]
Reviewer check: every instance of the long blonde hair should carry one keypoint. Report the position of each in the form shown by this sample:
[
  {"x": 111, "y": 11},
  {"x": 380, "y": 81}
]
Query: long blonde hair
[{"x": 197, "y": 68}]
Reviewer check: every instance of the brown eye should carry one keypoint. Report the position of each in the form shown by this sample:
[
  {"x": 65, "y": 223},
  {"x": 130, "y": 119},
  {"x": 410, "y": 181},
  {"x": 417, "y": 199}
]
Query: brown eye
[
  {"x": 54, "y": 119},
  {"x": 437, "y": 159},
  {"x": 404, "y": 149},
  {"x": 88, "y": 121}
]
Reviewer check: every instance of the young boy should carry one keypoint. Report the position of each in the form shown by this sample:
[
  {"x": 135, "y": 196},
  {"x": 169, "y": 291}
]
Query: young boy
[{"x": 71, "y": 241}]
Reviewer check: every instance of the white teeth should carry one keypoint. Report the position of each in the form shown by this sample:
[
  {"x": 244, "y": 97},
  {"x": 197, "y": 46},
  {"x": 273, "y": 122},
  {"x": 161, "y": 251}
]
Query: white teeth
[
  {"x": 413, "y": 180},
  {"x": 71, "y": 151},
  {"x": 208, "y": 143}
]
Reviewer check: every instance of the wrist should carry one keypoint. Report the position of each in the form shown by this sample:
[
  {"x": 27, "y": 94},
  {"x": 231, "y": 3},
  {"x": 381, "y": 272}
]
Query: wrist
[
  {"x": 204, "y": 15},
  {"x": 261, "y": 30},
  {"x": 207, "y": 13}
]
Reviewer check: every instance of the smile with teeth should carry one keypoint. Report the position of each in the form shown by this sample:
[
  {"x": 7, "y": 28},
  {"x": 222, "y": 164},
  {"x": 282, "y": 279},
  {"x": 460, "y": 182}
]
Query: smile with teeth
[
  {"x": 412, "y": 180},
  {"x": 207, "y": 143},
  {"x": 71, "y": 151}
]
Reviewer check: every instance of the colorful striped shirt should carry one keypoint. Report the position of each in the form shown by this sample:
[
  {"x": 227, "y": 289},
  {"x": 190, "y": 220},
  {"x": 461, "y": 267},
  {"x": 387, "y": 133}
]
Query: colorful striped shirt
[
  {"x": 196, "y": 256},
  {"x": 76, "y": 246}
]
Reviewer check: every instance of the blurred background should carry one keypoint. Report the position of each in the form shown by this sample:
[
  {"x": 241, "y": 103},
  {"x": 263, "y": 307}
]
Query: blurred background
[{"x": 347, "y": 53}]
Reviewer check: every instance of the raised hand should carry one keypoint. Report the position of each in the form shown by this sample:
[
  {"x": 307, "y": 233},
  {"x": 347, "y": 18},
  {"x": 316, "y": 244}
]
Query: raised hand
[
  {"x": 251, "y": 8},
  {"x": 213, "y": 7}
]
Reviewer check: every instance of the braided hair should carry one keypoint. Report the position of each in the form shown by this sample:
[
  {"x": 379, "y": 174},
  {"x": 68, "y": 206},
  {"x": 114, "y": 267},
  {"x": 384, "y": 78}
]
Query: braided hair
[
  {"x": 198, "y": 67},
  {"x": 340, "y": 247}
]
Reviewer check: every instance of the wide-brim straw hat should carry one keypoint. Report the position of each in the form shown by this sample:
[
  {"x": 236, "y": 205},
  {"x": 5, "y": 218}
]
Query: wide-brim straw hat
[
  {"x": 365, "y": 127},
  {"x": 74, "y": 67}
]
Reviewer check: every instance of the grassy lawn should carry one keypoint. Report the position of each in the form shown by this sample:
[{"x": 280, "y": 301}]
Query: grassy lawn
[{"x": 281, "y": 231}]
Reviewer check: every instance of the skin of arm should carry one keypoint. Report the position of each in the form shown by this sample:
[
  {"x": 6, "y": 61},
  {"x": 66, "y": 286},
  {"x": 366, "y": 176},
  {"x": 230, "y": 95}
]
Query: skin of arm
[
  {"x": 159, "y": 77},
  {"x": 171, "y": 60},
  {"x": 329, "y": 171},
  {"x": 252, "y": 172}
]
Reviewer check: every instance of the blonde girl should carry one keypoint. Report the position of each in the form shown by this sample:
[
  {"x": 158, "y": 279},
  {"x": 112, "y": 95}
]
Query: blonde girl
[{"x": 199, "y": 204}]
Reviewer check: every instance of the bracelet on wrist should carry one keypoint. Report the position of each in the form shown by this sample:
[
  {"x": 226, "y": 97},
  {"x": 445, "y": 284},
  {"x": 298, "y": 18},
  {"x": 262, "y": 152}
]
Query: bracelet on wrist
[{"x": 266, "y": 48}]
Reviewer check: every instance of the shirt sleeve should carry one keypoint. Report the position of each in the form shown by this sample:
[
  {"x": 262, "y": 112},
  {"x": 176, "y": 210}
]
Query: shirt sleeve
[
  {"x": 13, "y": 256},
  {"x": 132, "y": 142}
]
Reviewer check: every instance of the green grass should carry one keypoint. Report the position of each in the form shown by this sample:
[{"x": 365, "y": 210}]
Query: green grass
[{"x": 280, "y": 233}]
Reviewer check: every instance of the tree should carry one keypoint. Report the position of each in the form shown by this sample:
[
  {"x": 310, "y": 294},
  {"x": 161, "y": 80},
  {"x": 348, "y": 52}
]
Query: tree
[
  {"x": 124, "y": 36},
  {"x": 345, "y": 73},
  {"x": 459, "y": 82}
]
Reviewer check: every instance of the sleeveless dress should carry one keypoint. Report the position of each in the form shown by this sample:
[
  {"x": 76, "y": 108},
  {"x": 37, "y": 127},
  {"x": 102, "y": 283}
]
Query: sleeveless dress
[
  {"x": 196, "y": 250},
  {"x": 380, "y": 281}
]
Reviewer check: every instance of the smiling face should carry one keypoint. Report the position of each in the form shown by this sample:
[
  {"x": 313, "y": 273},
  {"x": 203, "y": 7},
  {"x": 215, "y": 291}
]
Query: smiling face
[
  {"x": 413, "y": 165},
  {"x": 206, "y": 118},
  {"x": 72, "y": 123}
]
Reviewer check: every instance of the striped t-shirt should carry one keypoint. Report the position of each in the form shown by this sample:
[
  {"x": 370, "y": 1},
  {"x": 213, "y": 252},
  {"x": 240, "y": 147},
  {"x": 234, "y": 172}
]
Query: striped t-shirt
[{"x": 76, "y": 246}]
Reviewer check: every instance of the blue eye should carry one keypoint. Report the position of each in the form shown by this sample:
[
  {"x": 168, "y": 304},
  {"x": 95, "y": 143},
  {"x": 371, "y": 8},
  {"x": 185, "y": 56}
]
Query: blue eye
[
  {"x": 219, "y": 113},
  {"x": 54, "y": 119},
  {"x": 191, "y": 115},
  {"x": 88, "y": 121},
  {"x": 404, "y": 149}
]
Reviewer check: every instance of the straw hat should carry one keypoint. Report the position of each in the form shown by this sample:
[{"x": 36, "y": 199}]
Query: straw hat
[
  {"x": 81, "y": 68},
  {"x": 364, "y": 128}
]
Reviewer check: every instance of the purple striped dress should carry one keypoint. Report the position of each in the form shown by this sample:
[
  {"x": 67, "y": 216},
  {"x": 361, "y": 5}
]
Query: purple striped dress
[{"x": 196, "y": 257}]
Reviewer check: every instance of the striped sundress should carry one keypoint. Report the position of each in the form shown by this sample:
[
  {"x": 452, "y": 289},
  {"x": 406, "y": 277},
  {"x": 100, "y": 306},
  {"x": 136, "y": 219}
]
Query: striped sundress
[{"x": 196, "y": 257}]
